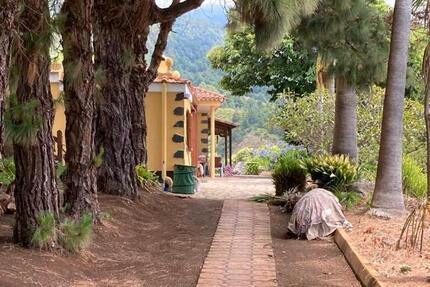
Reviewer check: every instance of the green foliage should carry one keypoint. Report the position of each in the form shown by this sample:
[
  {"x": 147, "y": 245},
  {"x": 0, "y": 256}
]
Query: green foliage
[
  {"x": 252, "y": 113},
  {"x": 75, "y": 235},
  {"x": 330, "y": 171},
  {"x": 244, "y": 154},
  {"x": 200, "y": 29},
  {"x": 309, "y": 121},
  {"x": 288, "y": 172},
  {"x": 98, "y": 159},
  {"x": 414, "y": 178},
  {"x": 346, "y": 198},
  {"x": 7, "y": 171},
  {"x": 414, "y": 81},
  {"x": 22, "y": 121},
  {"x": 45, "y": 233},
  {"x": 144, "y": 175},
  {"x": 289, "y": 68},
  {"x": 60, "y": 169},
  {"x": 251, "y": 168},
  {"x": 271, "y": 20},
  {"x": 351, "y": 37}
]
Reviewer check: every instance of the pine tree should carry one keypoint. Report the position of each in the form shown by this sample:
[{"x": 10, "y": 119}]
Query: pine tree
[
  {"x": 8, "y": 13},
  {"x": 350, "y": 37},
  {"x": 36, "y": 188},
  {"x": 120, "y": 33},
  {"x": 80, "y": 195}
]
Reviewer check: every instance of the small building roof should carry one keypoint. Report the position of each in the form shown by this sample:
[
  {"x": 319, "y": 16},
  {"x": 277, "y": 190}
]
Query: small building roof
[
  {"x": 170, "y": 78},
  {"x": 202, "y": 94}
]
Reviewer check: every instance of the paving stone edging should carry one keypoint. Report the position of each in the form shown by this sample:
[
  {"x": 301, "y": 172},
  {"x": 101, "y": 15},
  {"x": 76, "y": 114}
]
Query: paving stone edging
[{"x": 365, "y": 273}]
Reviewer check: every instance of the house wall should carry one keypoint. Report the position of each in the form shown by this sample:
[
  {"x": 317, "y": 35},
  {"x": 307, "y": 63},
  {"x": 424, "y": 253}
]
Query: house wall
[
  {"x": 176, "y": 136},
  {"x": 202, "y": 134},
  {"x": 59, "y": 117}
]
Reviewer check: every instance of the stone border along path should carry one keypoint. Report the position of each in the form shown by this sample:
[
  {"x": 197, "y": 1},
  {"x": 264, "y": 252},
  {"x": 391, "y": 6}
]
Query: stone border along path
[{"x": 241, "y": 253}]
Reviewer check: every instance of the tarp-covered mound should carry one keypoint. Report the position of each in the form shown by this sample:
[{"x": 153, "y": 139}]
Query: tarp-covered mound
[{"x": 317, "y": 214}]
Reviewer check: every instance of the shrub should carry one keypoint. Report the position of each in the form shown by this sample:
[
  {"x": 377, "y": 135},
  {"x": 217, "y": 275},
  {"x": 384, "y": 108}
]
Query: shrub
[
  {"x": 75, "y": 235},
  {"x": 288, "y": 172},
  {"x": 414, "y": 178},
  {"x": 346, "y": 198},
  {"x": 331, "y": 171},
  {"x": 144, "y": 175},
  {"x": 7, "y": 171},
  {"x": 251, "y": 168},
  {"x": 45, "y": 233},
  {"x": 244, "y": 154}
]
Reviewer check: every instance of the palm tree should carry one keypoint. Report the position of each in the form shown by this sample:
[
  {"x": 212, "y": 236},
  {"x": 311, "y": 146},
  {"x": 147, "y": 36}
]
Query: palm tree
[{"x": 388, "y": 197}]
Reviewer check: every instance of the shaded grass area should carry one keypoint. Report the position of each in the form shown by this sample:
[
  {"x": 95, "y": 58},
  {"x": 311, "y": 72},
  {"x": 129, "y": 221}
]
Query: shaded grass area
[{"x": 159, "y": 241}]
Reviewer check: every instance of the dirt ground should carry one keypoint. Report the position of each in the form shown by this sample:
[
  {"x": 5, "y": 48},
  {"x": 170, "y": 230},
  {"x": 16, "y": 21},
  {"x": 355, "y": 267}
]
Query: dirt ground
[
  {"x": 317, "y": 263},
  {"x": 161, "y": 241},
  {"x": 376, "y": 241}
]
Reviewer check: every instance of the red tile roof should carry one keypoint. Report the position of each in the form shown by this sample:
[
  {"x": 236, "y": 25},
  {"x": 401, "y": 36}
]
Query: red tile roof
[
  {"x": 205, "y": 95},
  {"x": 169, "y": 78}
]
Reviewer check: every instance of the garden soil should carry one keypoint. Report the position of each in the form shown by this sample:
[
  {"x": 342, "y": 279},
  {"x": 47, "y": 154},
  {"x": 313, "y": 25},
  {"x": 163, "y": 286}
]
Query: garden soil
[
  {"x": 302, "y": 263},
  {"x": 159, "y": 241}
]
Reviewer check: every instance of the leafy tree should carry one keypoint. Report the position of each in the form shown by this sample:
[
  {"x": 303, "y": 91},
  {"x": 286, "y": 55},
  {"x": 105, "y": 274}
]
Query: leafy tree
[
  {"x": 350, "y": 37},
  {"x": 289, "y": 68},
  {"x": 388, "y": 198},
  {"x": 304, "y": 125}
]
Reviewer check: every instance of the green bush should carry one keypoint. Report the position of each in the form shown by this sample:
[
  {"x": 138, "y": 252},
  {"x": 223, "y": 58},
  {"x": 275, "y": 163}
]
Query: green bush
[
  {"x": 7, "y": 171},
  {"x": 346, "y": 198},
  {"x": 331, "y": 171},
  {"x": 144, "y": 175},
  {"x": 251, "y": 168},
  {"x": 75, "y": 235},
  {"x": 288, "y": 172},
  {"x": 414, "y": 178},
  {"x": 244, "y": 154}
]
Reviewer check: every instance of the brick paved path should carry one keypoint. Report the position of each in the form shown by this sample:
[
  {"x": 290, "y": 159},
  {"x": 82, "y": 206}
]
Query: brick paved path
[{"x": 241, "y": 253}]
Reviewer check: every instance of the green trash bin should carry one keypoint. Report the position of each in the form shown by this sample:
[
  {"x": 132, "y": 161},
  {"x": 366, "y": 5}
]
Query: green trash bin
[{"x": 183, "y": 179}]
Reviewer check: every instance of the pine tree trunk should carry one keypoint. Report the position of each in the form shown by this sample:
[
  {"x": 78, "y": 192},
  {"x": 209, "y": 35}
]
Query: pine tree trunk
[
  {"x": 345, "y": 123},
  {"x": 388, "y": 197},
  {"x": 36, "y": 188},
  {"x": 80, "y": 194},
  {"x": 7, "y": 23},
  {"x": 113, "y": 51}
]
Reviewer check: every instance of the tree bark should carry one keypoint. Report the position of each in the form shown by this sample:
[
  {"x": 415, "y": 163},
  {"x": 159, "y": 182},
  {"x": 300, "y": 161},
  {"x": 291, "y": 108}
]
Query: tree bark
[
  {"x": 36, "y": 188},
  {"x": 80, "y": 195},
  {"x": 8, "y": 10},
  {"x": 113, "y": 50},
  {"x": 388, "y": 197},
  {"x": 345, "y": 123},
  {"x": 141, "y": 77}
]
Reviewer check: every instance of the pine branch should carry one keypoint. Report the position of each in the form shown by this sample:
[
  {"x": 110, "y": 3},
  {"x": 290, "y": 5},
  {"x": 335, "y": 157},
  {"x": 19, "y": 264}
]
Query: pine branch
[{"x": 163, "y": 15}]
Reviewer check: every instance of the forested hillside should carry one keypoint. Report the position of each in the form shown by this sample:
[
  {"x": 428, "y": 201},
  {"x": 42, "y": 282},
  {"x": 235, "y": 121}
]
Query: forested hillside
[{"x": 193, "y": 35}]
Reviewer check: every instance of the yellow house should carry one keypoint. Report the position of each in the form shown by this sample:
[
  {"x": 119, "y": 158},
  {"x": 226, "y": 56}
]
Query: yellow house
[{"x": 181, "y": 121}]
